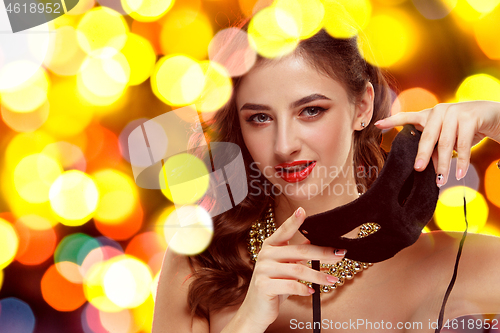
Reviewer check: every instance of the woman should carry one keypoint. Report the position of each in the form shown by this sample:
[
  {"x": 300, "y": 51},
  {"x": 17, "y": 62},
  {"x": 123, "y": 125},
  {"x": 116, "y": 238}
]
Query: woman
[{"x": 317, "y": 107}]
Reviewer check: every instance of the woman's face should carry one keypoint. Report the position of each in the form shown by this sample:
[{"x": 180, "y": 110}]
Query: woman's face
[{"x": 290, "y": 112}]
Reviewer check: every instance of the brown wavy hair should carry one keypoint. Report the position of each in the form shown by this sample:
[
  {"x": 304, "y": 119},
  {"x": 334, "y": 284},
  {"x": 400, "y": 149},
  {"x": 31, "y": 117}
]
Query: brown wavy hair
[{"x": 221, "y": 277}]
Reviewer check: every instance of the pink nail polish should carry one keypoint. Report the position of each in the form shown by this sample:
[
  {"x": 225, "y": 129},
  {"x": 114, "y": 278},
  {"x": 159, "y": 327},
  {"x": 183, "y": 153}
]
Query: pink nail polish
[
  {"x": 419, "y": 164},
  {"x": 332, "y": 279},
  {"x": 298, "y": 212},
  {"x": 459, "y": 174}
]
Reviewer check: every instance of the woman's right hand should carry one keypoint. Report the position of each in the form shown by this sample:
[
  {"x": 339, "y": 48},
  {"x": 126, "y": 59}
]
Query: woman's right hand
[{"x": 278, "y": 269}]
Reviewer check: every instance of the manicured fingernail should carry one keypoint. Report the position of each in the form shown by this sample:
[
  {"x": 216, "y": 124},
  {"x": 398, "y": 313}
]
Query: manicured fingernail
[
  {"x": 378, "y": 122},
  {"x": 311, "y": 291},
  {"x": 298, "y": 212},
  {"x": 440, "y": 180},
  {"x": 338, "y": 252},
  {"x": 419, "y": 164},
  {"x": 332, "y": 278},
  {"x": 460, "y": 173}
]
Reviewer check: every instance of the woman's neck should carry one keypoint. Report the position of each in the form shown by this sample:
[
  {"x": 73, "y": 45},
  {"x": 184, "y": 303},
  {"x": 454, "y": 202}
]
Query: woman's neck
[{"x": 285, "y": 206}]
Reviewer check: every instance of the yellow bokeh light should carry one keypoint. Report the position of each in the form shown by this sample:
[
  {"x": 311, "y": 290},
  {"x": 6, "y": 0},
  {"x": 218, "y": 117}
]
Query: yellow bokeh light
[
  {"x": 247, "y": 6},
  {"x": 414, "y": 99},
  {"x": 479, "y": 87},
  {"x": 147, "y": 10},
  {"x": 36, "y": 87},
  {"x": 449, "y": 214},
  {"x": 142, "y": 315},
  {"x": 154, "y": 285},
  {"x": 69, "y": 115},
  {"x": 483, "y": 6},
  {"x": 34, "y": 175},
  {"x": 491, "y": 181},
  {"x": 74, "y": 197},
  {"x": 102, "y": 32},
  {"x": 186, "y": 31},
  {"x": 141, "y": 58},
  {"x": 1, "y": 279},
  {"x": 9, "y": 243},
  {"x": 491, "y": 230},
  {"x": 127, "y": 281},
  {"x": 15, "y": 73},
  {"x": 273, "y": 32},
  {"x": 307, "y": 14},
  {"x": 345, "y": 18},
  {"x": 387, "y": 40},
  {"x": 391, "y": 2},
  {"x": 187, "y": 178},
  {"x": 218, "y": 87},
  {"x": 117, "y": 194},
  {"x": 36, "y": 222},
  {"x": 66, "y": 55},
  {"x": 25, "y": 144},
  {"x": 20, "y": 207},
  {"x": 93, "y": 288},
  {"x": 177, "y": 80},
  {"x": 485, "y": 31},
  {"x": 107, "y": 103},
  {"x": 107, "y": 76},
  {"x": 70, "y": 156},
  {"x": 26, "y": 121},
  {"x": 466, "y": 12},
  {"x": 188, "y": 230}
]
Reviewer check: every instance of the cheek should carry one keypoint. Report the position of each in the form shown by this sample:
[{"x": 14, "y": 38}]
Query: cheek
[
  {"x": 331, "y": 140},
  {"x": 255, "y": 145}
]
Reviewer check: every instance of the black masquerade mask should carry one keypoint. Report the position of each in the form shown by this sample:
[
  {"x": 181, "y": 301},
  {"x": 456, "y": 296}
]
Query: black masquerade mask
[{"x": 401, "y": 201}]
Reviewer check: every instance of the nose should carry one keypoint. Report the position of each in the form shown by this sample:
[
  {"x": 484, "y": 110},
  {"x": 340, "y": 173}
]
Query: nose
[{"x": 287, "y": 140}]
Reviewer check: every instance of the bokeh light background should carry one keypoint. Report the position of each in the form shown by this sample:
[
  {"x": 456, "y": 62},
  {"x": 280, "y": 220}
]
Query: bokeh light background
[{"x": 81, "y": 245}]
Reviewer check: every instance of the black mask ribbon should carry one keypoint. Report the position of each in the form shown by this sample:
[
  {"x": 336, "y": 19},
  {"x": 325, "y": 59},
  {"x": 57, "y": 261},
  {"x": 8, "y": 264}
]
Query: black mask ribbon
[{"x": 401, "y": 201}]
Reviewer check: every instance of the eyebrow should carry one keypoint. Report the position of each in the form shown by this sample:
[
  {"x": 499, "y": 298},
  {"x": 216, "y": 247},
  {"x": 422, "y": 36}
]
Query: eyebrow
[{"x": 302, "y": 101}]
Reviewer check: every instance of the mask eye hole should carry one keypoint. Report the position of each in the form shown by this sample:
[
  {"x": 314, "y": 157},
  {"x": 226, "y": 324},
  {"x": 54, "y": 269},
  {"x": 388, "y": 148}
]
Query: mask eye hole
[
  {"x": 406, "y": 190},
  {"x": 365, "y": 230}
]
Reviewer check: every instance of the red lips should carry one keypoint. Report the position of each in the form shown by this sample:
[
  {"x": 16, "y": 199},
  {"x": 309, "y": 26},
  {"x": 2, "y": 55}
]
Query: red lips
[{"x": 293, "y": 177}]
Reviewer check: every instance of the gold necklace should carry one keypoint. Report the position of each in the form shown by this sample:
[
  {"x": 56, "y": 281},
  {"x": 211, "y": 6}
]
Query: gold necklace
[{"x": 343, "y": 270}]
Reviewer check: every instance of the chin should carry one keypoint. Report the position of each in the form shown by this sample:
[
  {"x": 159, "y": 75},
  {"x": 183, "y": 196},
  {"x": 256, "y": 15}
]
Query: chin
[{"x": 299, "y": 191}]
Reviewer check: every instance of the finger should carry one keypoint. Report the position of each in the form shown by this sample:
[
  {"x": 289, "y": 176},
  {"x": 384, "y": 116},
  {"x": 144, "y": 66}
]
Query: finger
[
  {"x": 402, "y": 118},
  {"x": 296, "y": 272},
  {"x": 286, "y": 231},
  {"x": 428, "y": 140},
  {"x": 466, "y": 131},
  {"x": 446, "y": 142},
  {"x": 283, "y": 298},
  {"x": 435, "y": 160},
  {"x": 279, "y": 287},
  {"x": 293, "y": 253}
]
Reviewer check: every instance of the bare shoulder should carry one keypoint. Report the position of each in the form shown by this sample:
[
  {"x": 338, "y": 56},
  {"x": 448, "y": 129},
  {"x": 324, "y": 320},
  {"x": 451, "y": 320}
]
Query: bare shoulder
[
  {"x": 171, "y": 313},
  {"x": 446, "y": 243},
  {"x": 477, "y": 285}
]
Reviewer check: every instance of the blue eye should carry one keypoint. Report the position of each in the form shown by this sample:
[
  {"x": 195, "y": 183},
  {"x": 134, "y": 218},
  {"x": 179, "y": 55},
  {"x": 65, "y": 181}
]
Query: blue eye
[
  {"x": 261, "y": 118},
  {"x": 314, "y": 111}
]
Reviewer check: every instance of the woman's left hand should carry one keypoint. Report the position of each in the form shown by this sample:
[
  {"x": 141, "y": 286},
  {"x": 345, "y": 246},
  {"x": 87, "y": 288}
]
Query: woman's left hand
[{"x": 455, "y": 126}]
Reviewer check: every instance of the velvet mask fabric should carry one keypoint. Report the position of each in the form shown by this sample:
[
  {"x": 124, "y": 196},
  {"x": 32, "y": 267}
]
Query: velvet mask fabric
[{"x": 401, "y": 200}]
